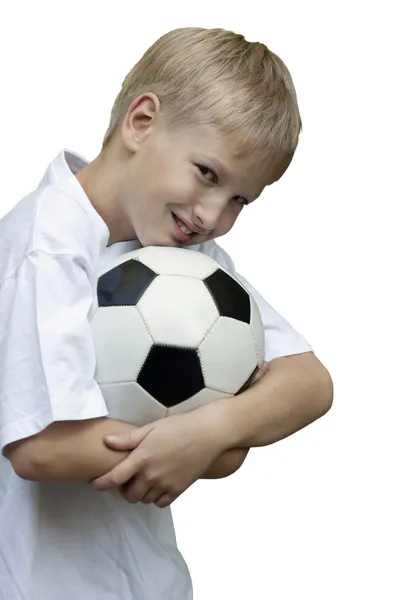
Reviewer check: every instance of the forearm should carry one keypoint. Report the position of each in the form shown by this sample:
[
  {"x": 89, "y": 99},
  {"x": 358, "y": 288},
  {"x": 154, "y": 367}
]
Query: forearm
[
  {"x": 68, "y": 451},
  {"x": 296, "y": 391},
  {"x": 74, "y": 452}
]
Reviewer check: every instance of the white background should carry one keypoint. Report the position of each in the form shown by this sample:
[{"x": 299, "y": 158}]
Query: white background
[{"x": 315, "y": 516}]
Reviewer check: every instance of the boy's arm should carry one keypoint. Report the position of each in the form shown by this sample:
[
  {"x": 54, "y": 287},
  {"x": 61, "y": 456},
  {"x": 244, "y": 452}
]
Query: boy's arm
[
  {"x": 227, "y": 463},
  {"x": 69, "y": 451},
  {"x": 74, "y": 452}
]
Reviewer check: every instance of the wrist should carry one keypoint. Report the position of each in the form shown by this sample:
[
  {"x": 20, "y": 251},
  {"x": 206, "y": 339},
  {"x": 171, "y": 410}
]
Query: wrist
[{"x": 221, "y": 424}]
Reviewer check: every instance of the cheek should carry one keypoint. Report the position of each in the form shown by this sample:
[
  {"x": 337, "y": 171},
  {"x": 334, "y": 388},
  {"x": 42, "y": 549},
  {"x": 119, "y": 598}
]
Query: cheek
[
  {"x": 180, "y": 190},
  {"x": 228, "y": 219}
]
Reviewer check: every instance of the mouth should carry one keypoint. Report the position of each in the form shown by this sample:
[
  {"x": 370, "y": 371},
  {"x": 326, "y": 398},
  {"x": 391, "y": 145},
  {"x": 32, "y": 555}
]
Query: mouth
[{"x": 182, "y": 230}]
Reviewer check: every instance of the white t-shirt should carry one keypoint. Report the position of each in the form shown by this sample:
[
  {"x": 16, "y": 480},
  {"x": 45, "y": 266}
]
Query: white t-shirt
[{"x": 59, "y": 540}]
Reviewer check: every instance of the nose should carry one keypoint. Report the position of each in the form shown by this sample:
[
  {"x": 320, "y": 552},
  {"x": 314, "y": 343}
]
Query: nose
[{"x": 208, "y": 213}]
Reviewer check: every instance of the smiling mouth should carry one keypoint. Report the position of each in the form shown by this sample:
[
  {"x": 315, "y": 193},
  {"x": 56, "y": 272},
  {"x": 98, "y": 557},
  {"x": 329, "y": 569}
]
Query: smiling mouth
[{"x": 182, "y": 231}]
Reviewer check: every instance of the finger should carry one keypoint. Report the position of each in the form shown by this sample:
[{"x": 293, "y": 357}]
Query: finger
[
  {"x": 262, "y": 370},
  {"x": 152, "y": 495},
  {"x": 119, "y": 475},
  {"x": 135, "y": 490},
  {"x": 128, "y": 440},
  {"x": 164, "y": 500}
]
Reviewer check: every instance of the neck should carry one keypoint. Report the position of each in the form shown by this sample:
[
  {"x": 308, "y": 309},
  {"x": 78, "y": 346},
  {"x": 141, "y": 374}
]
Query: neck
[{"x": 101, "y": 182}]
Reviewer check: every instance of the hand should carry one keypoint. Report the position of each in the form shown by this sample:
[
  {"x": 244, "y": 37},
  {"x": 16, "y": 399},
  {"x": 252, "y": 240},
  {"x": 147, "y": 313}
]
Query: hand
[
  {"x": 168, "y": 461},
  {"x": 168, "y": 456}
]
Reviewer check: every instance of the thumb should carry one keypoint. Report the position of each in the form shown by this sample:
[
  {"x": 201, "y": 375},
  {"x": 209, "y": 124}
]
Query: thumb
[
  {"x": 127, "y": 440},
  {"x": 262, "y": 370}
]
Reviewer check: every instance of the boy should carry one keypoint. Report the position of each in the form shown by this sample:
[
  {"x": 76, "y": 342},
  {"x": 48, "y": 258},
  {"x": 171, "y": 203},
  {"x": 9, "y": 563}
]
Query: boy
[{"x": 202, "y": 124}]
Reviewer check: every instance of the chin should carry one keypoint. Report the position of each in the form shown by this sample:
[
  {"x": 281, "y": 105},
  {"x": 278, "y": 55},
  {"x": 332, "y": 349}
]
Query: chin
[
  {"x": 196, "y": 241},
  {"x": 153, "y": 241},
  {"x": 193, "y": 242}
]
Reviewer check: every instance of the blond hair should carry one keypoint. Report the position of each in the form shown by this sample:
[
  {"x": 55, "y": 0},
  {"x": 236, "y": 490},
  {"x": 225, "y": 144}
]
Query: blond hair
[{"x": 214, "y": 77}]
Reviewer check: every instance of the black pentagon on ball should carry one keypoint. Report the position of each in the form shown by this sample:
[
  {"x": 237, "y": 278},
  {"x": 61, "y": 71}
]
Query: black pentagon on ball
[
  {"x": 229, "y": 296},
  {"x": 171, "y": 374},
  {"x": 125, "y": 284}
]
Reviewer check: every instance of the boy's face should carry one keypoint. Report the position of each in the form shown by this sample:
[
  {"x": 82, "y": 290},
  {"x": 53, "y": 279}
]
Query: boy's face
[
  {"x": 172, "y": 192},
  {"x": 180, "y": 196}
]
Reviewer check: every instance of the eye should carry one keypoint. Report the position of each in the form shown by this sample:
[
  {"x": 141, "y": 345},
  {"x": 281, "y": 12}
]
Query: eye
[
  {"x": 204, "y": 170},
  {"x": 240, "y": 200}
]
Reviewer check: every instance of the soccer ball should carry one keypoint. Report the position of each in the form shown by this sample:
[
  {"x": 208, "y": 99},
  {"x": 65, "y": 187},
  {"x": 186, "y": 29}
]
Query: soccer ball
[{"x": 172, "y": 330}]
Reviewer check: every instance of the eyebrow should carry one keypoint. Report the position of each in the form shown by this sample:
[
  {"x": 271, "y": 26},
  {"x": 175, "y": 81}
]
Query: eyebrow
[{"x": 217, "y": 163}]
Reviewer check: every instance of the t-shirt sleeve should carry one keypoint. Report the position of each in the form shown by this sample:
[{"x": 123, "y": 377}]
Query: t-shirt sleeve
[
  {"x": 280, "y": 337},
  {"x": 47, "y": 353}
]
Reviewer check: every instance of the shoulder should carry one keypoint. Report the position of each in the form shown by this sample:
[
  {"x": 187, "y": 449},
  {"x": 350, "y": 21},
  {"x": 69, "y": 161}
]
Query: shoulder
[
  {"x": 63, "y": 225},
  {"x": 51, "y": 221}
]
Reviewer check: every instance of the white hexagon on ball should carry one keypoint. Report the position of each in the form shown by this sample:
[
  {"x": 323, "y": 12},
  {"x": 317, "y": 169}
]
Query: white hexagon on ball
[
  {"x": 129, "y": 402},
  {"x": 204, "y": 396},
  {"x": 228, "y": 355},
  {"x": 257, "y": 328},
  {"x": 122, "y": 343},
  {"x": 196, "y": 315},
  {"x": 181, "y": 261}
]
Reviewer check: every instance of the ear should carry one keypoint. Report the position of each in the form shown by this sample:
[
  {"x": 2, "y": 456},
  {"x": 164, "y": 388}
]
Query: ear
[{"x": 139, "y": 120}]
